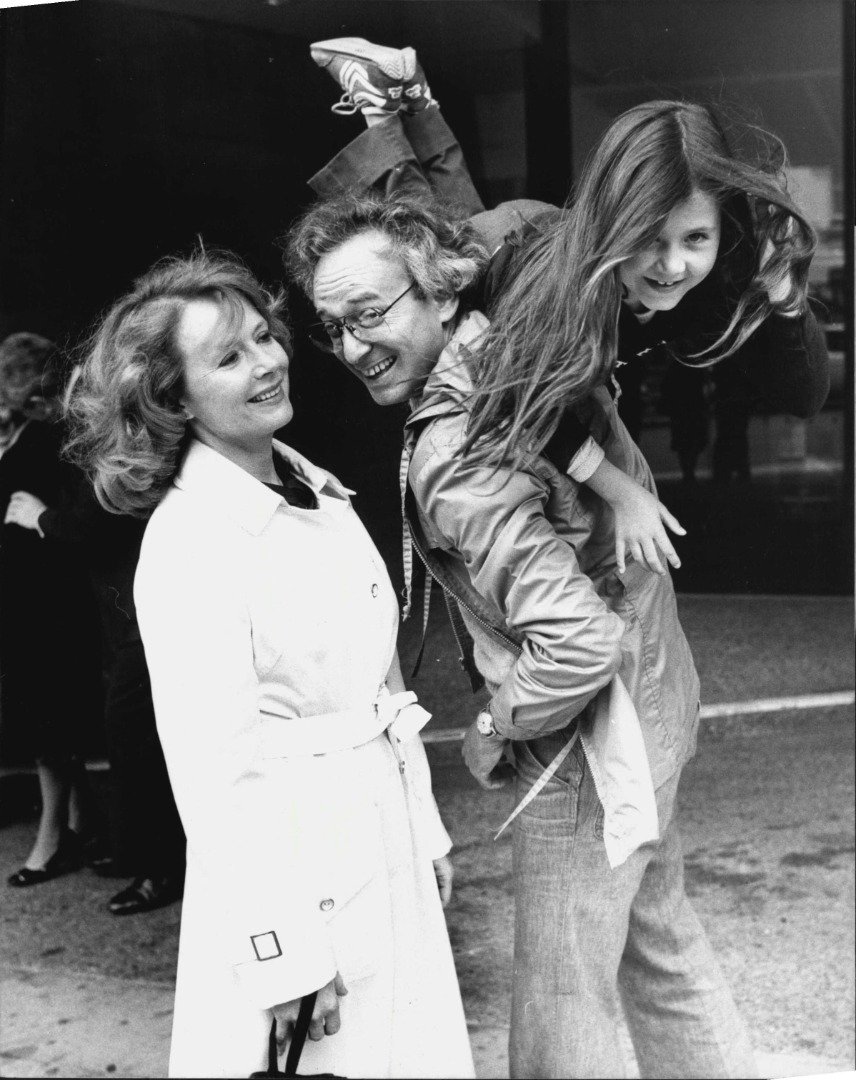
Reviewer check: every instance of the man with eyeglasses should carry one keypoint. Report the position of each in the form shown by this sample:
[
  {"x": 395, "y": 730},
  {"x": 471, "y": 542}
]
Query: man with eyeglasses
[
  {"x": 354, "y": 336},
  {"x": 529, "y": 555}
]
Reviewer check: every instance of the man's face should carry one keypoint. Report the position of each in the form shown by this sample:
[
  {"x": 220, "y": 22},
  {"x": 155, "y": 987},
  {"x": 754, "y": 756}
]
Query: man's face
[{"x": 393, "y": 359}]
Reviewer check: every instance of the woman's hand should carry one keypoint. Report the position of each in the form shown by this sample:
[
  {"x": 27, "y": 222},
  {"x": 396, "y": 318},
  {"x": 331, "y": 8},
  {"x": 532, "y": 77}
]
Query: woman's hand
[
  {"x": 639, "y": 531},
  {"x": 25, "y": 510},
  {"x": 444, "y": 872},
  {"x": 325, "y": 1016}
]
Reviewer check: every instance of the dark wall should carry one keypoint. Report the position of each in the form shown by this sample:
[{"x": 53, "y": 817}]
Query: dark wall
[{"x": 127, "y": 133}]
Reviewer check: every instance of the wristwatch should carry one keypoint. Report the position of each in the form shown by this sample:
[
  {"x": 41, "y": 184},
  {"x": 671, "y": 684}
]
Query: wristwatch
[{"x": 485, "y": 725}]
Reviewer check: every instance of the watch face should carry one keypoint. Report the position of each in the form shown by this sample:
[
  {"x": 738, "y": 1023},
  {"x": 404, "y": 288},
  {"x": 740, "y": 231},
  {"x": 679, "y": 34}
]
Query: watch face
[{"x": 484, "y": 723}]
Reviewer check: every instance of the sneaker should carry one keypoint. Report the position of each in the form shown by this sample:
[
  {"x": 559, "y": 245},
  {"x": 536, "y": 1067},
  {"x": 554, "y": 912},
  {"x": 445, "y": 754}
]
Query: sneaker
[
  {"x": 372, "y": 76},
  {"x": 416, "y": 93}
]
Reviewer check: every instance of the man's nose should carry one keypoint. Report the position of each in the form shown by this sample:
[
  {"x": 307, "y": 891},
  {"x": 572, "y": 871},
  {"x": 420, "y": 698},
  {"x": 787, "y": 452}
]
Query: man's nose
[{"x": 353, "y": 350}]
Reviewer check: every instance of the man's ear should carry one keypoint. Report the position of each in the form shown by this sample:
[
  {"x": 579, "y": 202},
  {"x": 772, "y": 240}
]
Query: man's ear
[{"x": 447, "y": 307}]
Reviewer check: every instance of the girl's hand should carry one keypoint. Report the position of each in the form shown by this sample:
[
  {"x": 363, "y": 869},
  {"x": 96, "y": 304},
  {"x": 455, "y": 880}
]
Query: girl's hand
[
  {"x": 781, "y": 290},
  {"x": 444, "y": 872},
  {"x": 325, "y": 1016},
  {"x": 639, "y": 531},
  {"x": 639, "y": 519},
  {"x": 25, "y": 510}
]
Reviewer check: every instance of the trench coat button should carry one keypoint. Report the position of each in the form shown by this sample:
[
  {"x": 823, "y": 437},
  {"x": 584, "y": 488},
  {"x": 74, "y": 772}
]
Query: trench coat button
[
  {"x": 327, "y": 905},
  {"x": 374, "y": 589}
]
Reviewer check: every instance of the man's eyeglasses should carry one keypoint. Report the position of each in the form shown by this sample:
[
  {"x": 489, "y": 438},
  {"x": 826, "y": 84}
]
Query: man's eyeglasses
[{"x": 327, "y": 335}]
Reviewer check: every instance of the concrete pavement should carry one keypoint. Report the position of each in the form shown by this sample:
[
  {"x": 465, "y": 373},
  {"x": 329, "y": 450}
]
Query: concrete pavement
[
  {"x": 767, "y": 816},
  {"x": 85, "y": 1024}
]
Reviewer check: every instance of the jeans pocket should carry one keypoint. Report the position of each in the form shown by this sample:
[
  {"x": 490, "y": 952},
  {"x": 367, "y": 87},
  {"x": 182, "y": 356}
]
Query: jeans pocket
[{"x": 532, "y": 757}]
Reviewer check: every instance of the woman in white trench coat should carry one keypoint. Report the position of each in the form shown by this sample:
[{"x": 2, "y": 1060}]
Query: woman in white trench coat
[{"x": 316, "y": 854}]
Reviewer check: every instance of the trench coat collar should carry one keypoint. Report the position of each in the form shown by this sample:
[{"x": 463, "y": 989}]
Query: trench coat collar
[
  {"x": 231, "y": 490},
  {"x": 451, "y": 380}
]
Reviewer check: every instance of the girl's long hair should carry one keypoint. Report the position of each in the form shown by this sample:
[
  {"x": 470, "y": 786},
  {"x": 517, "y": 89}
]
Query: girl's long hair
[
  {"x": 128, "y": 431},
  {"x": 554, "y": 329}
]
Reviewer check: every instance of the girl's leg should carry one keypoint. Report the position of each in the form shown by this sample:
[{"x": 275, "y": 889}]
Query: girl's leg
[
  {"x": 379, "y": 159},
  {"x": 441, "y": 159},
  {"x": 407, "y": 147}
]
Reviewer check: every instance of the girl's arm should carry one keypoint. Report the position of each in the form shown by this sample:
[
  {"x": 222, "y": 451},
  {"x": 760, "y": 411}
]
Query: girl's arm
[
  {"x": 786, "y": 359},
  {"x": 787, "y": 362},
  {"x": 639, "y": 519},
  {"x": 639, "y": 515}
]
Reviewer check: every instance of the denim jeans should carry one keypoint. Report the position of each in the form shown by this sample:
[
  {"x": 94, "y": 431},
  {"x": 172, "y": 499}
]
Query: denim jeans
[
  {"x": 590, "y": 941},
  {"x": 415, "y": 154}
]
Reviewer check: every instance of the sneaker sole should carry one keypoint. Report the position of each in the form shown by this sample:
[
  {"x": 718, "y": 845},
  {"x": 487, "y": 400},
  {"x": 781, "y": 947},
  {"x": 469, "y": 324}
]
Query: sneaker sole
[{"x": 394, "y": 63}]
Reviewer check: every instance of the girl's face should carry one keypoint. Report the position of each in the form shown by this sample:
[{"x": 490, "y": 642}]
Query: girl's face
[
  {"x": 235, "y": 377},
  {"x": 660, "y": 275}
]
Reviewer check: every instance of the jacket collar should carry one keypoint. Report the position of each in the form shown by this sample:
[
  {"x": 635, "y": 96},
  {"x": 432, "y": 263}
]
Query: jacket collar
[
  {"x": 231, "y": 490},
  {"x": 451, "y": 380}
]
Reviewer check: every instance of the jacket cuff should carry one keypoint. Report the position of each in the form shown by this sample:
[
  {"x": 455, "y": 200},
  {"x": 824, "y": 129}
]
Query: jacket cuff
[{"x": 585, "y": 461}]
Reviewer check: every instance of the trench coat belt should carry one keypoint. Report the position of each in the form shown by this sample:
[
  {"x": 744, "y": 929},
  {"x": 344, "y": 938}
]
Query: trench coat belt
[{"x": 327, "y": 733}]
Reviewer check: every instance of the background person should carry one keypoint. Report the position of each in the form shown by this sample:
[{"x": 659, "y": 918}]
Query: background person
[
  {"x": 50, "y": 695},
  {"x": 316, "y": 855},
  {"x": 146, "y": 838}
]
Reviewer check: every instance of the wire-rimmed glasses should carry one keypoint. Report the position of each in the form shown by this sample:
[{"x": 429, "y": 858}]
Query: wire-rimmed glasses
[{"x": 327, "y": 334}]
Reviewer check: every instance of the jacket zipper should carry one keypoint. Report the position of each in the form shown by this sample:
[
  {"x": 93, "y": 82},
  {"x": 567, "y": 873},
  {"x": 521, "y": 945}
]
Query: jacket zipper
[
  {"x": 508, "y": 643},
  {"x": 498, "y": 634}
]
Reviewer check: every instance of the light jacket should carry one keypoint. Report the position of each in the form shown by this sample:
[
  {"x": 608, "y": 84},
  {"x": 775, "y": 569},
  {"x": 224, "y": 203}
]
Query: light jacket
[
  {"x": 268, "y": 632},
  {"x": 538, "y": 549}
]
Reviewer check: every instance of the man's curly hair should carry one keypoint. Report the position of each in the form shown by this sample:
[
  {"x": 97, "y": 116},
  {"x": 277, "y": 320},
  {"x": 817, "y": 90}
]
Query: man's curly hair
[{"x": 442, "y": 253}]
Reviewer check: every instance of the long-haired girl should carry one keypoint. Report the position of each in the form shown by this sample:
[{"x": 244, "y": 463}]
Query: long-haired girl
[{"x": 673, "y": 240}]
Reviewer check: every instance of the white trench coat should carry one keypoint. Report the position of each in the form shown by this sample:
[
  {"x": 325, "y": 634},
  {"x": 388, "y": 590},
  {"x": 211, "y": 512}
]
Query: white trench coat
[{"x": 311, "y": 829}]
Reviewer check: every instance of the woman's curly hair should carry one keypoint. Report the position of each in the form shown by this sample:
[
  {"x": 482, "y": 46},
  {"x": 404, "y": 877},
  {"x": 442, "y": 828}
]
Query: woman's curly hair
[{"x": 127, "y": 427}]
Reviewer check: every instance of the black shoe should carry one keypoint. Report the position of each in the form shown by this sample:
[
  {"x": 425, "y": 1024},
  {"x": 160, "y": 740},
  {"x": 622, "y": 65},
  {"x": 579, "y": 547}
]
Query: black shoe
[
  {"x": 66, "y": 858},
  {"x": 146, "y": 894},
  {"x": 93, "y": 846},
  {"x": 108, "y": 867}
]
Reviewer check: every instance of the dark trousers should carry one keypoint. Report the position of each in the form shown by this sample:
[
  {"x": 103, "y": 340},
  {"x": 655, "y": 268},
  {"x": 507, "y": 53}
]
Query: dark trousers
[
  {"x": 414, "y": 154},
  {"x": 146, "y": 832}
]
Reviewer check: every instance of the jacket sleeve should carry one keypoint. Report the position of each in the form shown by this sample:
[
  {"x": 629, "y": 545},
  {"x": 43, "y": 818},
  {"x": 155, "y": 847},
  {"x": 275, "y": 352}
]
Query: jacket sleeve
[
  {"x": 242, "y": 830},
  {"x": 572, "y": 449},
  {"x": 518, "y": 563},
  {"x": 787, "y": 362}
]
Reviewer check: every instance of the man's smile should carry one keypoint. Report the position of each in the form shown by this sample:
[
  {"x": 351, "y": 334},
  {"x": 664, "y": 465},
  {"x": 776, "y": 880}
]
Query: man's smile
[{"x": 379, "y": 368}]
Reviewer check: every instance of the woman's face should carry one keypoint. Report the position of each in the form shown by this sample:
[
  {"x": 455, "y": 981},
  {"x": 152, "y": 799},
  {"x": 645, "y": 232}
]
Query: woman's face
[
  {"x": 235, "y": 377},
  {"x": 660, "y": 275}
]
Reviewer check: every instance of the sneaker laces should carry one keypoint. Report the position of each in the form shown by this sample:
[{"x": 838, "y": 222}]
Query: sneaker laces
[{"x": 345, "y": 106}]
